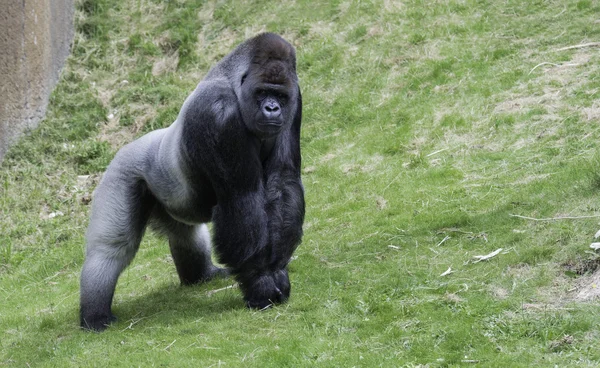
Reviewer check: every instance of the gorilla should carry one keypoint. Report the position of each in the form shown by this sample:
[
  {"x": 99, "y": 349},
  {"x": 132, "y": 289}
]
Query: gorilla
[{"x": 232, "y": 157}]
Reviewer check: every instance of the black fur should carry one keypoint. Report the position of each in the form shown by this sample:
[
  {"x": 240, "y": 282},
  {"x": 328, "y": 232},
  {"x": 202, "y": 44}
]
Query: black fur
[{"x": 231, "y": 157}]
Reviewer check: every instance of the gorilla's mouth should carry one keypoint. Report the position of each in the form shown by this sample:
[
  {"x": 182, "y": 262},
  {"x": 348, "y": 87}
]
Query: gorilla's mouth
[{"x": 269, "y": 128}]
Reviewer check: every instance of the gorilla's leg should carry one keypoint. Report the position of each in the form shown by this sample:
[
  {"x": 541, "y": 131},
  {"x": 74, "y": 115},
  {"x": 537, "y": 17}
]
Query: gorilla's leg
[
  {"x": 98, "y": 282},
  {"x": 190, "y": 248},
  {"x": 119, "y": 215},
  {"x": 191, "y": 253}
]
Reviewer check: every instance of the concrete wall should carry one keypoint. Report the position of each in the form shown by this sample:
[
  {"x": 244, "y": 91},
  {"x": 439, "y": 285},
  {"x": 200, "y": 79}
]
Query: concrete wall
[{"x": 35, "y": 40}]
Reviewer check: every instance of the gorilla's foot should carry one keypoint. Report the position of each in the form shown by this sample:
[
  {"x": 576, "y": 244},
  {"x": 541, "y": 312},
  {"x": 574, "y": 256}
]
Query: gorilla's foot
[
  {"x": 97, "y": 322},
  {"x": 192, "y": 278},
  {"x": 218, "y": 273}
]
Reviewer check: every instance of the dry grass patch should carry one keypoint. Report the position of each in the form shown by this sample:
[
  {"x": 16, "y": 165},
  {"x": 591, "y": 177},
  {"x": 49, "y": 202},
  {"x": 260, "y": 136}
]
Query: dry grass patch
[
  {"x": 557, "y": 82},
  {"x": 588, "y": 288},
  {"x": 166, "y": 64}
]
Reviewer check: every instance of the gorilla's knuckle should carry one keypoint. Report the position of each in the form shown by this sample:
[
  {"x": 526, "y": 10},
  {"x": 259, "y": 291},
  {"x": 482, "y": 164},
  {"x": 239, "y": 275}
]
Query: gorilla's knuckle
[{"x": 266, "y": 290}]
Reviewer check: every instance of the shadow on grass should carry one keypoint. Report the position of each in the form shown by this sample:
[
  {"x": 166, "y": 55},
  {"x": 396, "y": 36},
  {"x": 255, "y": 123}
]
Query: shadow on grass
[
  {"x": 170, "y": 307},
  {"x": 167, "y": 305},
  {"x": 171, "y": 303}
]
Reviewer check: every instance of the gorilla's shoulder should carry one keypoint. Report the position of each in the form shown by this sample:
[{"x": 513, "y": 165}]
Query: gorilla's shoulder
[
  {"x": 212, "y": 100},
  {"x": 137, "y": 154}
]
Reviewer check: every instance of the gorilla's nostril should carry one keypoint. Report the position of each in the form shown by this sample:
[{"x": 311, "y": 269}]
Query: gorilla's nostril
[{"x": 270, "y": 108}]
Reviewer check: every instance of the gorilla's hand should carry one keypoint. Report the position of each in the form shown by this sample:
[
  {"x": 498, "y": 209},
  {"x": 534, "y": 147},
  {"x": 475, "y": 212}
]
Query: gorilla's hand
[{"x": 265, "y": 290}]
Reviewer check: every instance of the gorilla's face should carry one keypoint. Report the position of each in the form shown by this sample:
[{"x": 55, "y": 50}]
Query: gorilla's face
[{"x": 269, "y": 97}]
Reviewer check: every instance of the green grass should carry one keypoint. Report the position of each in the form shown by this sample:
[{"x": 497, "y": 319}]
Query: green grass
[{"x": 426, "y": 126}]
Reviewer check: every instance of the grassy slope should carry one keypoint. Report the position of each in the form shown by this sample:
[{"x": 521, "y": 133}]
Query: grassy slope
[{"x": 424, "y": 121}]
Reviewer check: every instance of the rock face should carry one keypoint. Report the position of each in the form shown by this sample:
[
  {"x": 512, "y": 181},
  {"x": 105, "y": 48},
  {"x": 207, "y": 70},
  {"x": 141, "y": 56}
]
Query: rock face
[{"x": 35, "y": 38}]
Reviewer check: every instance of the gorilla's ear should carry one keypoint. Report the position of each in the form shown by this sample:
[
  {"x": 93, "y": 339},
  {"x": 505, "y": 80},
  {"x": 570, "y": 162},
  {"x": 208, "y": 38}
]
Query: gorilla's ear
[
  {"x": 298, "y": 115},
  {"x": 295, "y": 140}
]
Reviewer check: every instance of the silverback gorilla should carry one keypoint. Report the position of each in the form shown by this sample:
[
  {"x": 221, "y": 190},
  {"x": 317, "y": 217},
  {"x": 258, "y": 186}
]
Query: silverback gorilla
[{"x": 232, "y": 157}]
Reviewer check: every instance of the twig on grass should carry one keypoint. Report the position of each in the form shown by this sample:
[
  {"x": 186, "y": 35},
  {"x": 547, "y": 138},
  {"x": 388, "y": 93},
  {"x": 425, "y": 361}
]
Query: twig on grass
[
  {"x": 438, "y": 151},
  {"x": 580, "y": 46},
  {"x": 267, "y": 306},
  {"x": 548, "y": 63},
  {"x": 540, "y": 64},
  {"x": 553, "y": 218},
  {"x": 487, "y": 256},
  {"x": 559, "y": 14},
  {"x": 133, "y": 322},
  {"x": 447, "y": 272},
  {"x": 211, "y": 292},
  {"x": 169, "y": 346},
  {"x": 443, "y": 240},
  {"x": 391, "y": 182},
  {"x": 365, "y": 238}
]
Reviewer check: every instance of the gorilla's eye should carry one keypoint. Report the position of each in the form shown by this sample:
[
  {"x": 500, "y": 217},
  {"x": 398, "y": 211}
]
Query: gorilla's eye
[
  {"x": 281, "y": 96},
  {"x": 261, "y": 94}
]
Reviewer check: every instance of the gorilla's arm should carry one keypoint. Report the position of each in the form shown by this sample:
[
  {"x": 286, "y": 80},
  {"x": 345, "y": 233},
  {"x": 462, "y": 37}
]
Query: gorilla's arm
[
  {"x": 218, "y": 146},
  {"x": 264, "y": 278},
  {"x": 285, "y": 203},
  {"x": 260, "y": 205},
  {"x": 285, "y": 194}
]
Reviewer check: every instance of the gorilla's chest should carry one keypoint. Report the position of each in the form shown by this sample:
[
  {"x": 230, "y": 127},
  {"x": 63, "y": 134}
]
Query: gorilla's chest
[
  {"x": 191, "y": 206},
  {"x": 193, "y": 210}
]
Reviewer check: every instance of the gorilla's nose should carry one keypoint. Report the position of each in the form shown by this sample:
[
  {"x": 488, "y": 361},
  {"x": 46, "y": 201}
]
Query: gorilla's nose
[{"x": 271, "y": 110}]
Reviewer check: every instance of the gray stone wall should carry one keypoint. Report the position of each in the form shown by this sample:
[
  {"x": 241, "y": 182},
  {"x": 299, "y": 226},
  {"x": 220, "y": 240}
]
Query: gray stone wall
[{"x": 35, "y": 40}]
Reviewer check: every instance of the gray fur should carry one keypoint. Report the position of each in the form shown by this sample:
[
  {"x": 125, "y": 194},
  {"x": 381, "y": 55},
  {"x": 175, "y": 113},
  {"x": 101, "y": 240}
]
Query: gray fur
[{"x": 151, "y": 164}]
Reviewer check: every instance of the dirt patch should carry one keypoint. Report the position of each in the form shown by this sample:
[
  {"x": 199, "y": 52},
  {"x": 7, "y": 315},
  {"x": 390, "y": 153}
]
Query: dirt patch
[
  {"x": 381, "y": 203},
  {"x": 321, "y": 28},
  {"x": 549, "y": 100},
  {"x": 588, "y": 285},
  {"x": 167, "y": 64},
  {"x": 589, "y": 288},
  {"x": 499, "y": 292},
  {"x": 561, "y": 344},
  {"x": 530, "y": 179},
  {"x": 105, "y": 95},
  {"x": 213, "y": 49},
  {"x": 592, "y": 113},
  {"x": 521, "y": 271},
  {"x": 369, "y": 166},
  {"x": 559, "y": 80},
  {"x": 115, "y": 135},
  {"x": 583, "y": 266}
]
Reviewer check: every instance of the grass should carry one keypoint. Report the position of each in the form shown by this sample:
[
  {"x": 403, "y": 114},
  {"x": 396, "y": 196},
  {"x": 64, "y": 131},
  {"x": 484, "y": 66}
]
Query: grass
[{"x": 427, "y": 124}]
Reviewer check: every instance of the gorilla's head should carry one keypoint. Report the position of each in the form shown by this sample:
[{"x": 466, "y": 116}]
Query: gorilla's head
[{"x": 269, "y": 86}]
